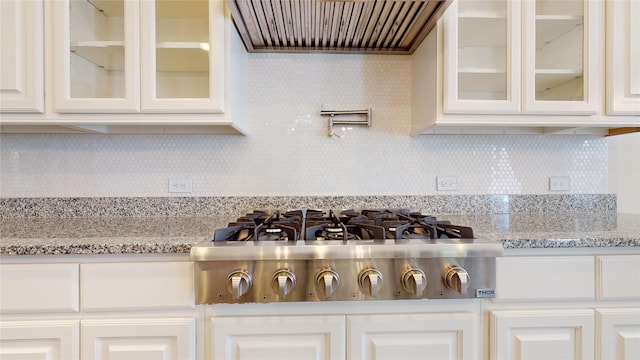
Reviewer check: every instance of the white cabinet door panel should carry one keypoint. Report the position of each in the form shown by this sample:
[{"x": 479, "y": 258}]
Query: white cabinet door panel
[
  {"x": 46, "y": 340},
  {"x": 96, "y": 56},
  {"x": 21, "y": 56},
  {"x": 557, "y": 277},
  {"x": 139, "y": 339},
  {"x": 482, "y": 68},
  {"x": 619, "y": 277},
  {"x": 277, "y": 338},
  {"x": 143, "y": 285},
  {"x": 413, "y": 336},
  {"x": 38, "y": 288},
  {"x": 619, "y": 333},
  {"x": 542, "y": 334},
  {"x": 168, "y": 85},
  {"x": 562, "y": 56},
  {"x": 623, "y": 57}
]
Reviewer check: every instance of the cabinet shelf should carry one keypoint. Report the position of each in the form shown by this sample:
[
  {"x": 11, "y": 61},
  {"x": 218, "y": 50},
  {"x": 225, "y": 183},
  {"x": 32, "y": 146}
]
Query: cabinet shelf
[
  {"x": 182, "y": 57},
  {"x": 479, "y": 14},
  {"x": 172, "y": 56},
  {"x": 479, "y": 80},
  {"x": 550, "y": 78},
  {"x": 551, "y": 27},
  {"x": 108, "y": 55}
]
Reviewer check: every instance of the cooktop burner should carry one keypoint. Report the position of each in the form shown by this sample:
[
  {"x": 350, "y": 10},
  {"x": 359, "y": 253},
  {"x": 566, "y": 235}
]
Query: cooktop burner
[
  {"x": 344, "y": 225},
  {"x": 263, "y": 226}
]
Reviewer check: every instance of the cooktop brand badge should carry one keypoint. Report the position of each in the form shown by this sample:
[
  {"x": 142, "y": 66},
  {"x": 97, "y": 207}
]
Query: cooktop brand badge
[{"x": 485, "y": 293}]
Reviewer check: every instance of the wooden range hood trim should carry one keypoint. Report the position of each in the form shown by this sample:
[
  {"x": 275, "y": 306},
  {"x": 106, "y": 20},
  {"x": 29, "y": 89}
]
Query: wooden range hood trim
[
  {"x": 367, "y": 26},
  {"x": 624, "y": 130}
]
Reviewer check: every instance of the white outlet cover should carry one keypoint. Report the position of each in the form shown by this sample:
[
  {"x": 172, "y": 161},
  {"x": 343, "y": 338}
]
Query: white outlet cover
[
  {"x": 446, "y": 183},
  {"x": 559, "y": 183},
  {"x": 180, "y": 185}
]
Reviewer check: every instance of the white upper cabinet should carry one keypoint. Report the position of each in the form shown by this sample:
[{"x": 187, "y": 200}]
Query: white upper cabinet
[
  {"x": 122, "y": 66},
  {"x": 131, "y": 56},
  {"x": 623, "y": 57},
  {"x": 21, "y": 57},
  {"x": 528, "y": 67},
  {"x": 528, "y": 56}
]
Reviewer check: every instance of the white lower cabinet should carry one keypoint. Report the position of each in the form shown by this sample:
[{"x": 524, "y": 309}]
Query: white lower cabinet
[
  {"x": 447, "y": 335},
  {"x": 121, "y": 310},
  {"x": 547, "y": 307},
  {"x": 566, "y": 307},
  {"x": 30, "y": 339},
  {"x": 148, "y": 339},
  {"x": 277, "y": 337},
  {"x": 104, "y": 339},
  {"x": 542, "y": 334},
  {"x": 413, "y": 336}
]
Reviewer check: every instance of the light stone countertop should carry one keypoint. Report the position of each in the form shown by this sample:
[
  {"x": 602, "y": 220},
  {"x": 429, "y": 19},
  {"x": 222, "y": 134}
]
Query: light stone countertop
[{"x": 173, "y": 235}]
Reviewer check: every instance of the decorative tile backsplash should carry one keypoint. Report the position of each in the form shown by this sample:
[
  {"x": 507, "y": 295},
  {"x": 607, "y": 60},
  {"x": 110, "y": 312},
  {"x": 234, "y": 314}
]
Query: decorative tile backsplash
[{"x": 288, "y": 152}]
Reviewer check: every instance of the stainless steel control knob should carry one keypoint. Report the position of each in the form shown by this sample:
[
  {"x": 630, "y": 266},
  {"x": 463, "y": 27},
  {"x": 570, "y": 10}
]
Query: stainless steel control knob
[
  {"x": 414, "y": 281},
  {"x": 283, "y": 281},
  {"x": 457, "y": 278},
  {"x": 370, "y": 281},
  {"x": 327, "y": 282},
  {"x": 238, "y": 283}
]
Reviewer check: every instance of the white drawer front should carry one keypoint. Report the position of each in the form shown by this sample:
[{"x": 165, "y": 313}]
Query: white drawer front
[
  {"x": 619, "y": 277},
  {"x": 38, "y": 287},
  {"x": 552, "y": 277},
  {"x": 136, "y": 285}
]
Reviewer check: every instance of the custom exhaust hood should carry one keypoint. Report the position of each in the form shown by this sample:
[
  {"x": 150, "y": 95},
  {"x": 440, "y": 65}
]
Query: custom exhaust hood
[{"x": 360, "y": 26}]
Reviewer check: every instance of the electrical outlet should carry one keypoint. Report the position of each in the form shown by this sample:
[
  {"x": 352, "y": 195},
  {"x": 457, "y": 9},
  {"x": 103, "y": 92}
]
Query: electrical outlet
[
  {"x": 180, "y": 185},
  {"x": 559, "y": 183},
  {"x": 446, "y": 183}
]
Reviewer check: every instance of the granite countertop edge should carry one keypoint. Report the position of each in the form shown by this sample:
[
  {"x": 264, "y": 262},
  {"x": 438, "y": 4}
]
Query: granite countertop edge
[
  {"x": 174, "y": 235},
  {"x": 160, "y": 245},
  {"x": 172, "y": 245}
]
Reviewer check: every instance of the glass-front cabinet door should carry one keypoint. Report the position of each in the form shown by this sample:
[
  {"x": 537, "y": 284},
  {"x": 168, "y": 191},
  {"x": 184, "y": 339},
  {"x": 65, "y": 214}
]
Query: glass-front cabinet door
[
  {"x": 131, "y": 56},
  {"x": 482, "y": 57},
  {"x": 522, "y": 57},
  {"x": 561, "y": 56},
  {"x": 96, "y": 56},
  {"x": 182, "y": 55}
]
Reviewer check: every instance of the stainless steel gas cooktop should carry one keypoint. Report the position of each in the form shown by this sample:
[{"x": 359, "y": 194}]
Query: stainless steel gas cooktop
[{"x": 312, "y": 255}]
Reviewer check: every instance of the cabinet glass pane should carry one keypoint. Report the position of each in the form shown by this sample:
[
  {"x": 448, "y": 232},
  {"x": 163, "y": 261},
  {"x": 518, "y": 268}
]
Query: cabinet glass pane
[
  {"x": 97, "y": 44},
  {"x": 182, "y": 49},
  {"x": 482, "y": 50},
  {"x": 559, "y": 50}
]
